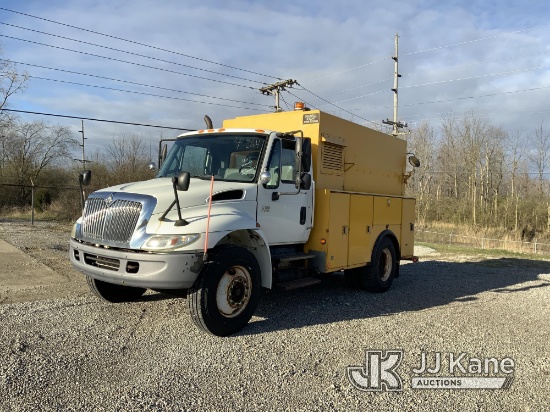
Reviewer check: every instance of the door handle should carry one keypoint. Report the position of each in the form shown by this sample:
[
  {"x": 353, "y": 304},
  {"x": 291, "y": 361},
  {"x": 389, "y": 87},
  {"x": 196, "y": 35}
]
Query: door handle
[{"x": 303, "y": 215}]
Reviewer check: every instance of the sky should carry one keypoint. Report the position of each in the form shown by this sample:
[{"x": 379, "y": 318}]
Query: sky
[{"x": 170, "y": 62}]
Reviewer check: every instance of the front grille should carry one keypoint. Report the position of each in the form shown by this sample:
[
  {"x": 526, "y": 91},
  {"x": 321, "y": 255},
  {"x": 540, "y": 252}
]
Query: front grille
[
  {"x": 101, "y": 262},
  {"x": 113, "y": 222}
]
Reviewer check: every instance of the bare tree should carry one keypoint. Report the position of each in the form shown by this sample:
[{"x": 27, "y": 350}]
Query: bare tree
[
  {"x": 30, "y": 148},
  {"x": 11, "y": 82},
  {"x": 422, "y": 143},
  {"x": 128, "y": 158},
  {"x": 539, "y": 154}
]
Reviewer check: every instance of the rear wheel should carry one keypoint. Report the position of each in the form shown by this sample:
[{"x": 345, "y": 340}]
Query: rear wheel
[
  {"x": 114, "y": 293},
  {"x": 227, "y": 291},
  {"x": 379, "y": 275}
]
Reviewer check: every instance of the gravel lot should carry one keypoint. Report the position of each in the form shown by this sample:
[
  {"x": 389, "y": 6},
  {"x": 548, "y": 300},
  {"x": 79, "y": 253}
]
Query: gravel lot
[{"x": 62, "y": 349}]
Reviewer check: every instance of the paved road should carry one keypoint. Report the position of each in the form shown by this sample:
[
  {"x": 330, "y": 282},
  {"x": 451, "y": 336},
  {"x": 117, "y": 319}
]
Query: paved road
[{"x": 72, "y": 352}]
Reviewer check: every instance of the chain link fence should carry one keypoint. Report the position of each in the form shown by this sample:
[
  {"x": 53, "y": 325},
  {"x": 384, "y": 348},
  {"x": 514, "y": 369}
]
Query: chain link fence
[
  {"x": 533, "y": 247},
  {"x": 50, "y": 202}
]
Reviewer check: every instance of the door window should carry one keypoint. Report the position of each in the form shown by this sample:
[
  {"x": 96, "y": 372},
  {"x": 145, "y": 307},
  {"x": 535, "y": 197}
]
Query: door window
[{"x": 274, "y": 165}]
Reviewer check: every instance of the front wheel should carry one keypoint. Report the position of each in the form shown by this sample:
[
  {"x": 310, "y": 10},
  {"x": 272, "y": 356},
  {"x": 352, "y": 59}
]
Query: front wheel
[
  {"x": 227, "y": 291},
  {"x": 114, "y": 293},
  {"x": 379, "y": 275}
]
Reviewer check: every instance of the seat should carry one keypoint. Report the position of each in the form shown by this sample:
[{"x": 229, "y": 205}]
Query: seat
[
  {"x": 232, "y": 171},
  {"x": 287, "y": 173}
]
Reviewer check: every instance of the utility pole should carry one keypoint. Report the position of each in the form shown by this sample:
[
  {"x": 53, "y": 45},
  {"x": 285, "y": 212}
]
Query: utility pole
[
  {"x": 275, "y": 89},
  {"x": 395, "y": 123},
  {"x": 83, "y": 160}
]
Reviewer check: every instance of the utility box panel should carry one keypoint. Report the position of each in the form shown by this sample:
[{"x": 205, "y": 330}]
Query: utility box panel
[
  {"x": 360, "y": 230},
  {"x": 338, "y": 231},
  {"x": 407, "y": 228}
]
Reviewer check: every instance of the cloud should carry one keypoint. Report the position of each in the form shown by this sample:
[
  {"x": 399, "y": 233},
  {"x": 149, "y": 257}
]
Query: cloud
[{"x": 442, "y": 64}]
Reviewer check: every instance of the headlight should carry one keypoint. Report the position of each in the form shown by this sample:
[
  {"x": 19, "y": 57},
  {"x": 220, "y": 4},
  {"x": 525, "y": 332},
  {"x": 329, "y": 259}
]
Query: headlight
[
  {"x": 167, "y": 242},
  {"x": 76, "y": 229}
]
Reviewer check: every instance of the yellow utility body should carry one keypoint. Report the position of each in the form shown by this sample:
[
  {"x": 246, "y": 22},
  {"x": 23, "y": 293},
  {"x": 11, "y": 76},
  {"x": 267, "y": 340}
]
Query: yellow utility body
[{"x": 359, "y": 176}]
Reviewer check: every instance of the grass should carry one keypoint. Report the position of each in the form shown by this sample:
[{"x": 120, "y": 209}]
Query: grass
[{"x": 469, "y": 250}]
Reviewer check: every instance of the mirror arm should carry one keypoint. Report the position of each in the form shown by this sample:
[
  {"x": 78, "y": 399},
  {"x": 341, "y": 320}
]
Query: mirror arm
[
  {"x": 176, "y": 201},
  {"x": 82, "y": 200},
  {"x": 163, "y": 217}
]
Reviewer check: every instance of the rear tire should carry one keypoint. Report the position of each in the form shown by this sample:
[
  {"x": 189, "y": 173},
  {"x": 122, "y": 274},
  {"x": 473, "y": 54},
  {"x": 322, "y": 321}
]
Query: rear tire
[
  {"x": 114, "y": 293},
  {"x": 379, "y": 275},
  {"x": 226, "y": 293}
]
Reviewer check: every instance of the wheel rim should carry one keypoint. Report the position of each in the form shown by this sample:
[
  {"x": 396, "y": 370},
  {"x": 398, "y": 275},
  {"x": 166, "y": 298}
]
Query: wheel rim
[
  {"x": 385, "y": 265},
  {"x": 233, "y": 292}
]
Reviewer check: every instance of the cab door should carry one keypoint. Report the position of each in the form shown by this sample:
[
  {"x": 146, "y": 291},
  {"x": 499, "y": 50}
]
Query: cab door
[{"x": 284, "y": 215}]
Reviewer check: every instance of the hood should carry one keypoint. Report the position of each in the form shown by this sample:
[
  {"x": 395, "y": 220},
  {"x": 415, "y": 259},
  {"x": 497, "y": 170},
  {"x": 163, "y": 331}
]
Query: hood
[{"x": 198, "y": 194}]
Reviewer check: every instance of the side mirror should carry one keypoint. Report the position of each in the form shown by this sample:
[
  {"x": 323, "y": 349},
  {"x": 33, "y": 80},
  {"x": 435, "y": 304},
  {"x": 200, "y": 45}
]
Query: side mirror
[
  {"x": 85, "y": 177},
  {"x": 265, "y": 177},
  {"x": 303, "y": 153},
  {"x": 414, "y": 162},
  {"x": 306, "y": 181},
  {"x": 306, "y": 155},
  {"x": 181, "y": 181},
  {"x": 84, "y": 180}
]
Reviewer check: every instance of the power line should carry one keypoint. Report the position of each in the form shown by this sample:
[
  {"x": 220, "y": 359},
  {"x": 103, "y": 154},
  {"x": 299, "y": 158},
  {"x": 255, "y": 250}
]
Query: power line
[
  {"x": 126, "y": 62},
  {"x": 473, "y": 41},
  {"x": 484, "y": 112},
  {"x": 473, "y": 64},
  {"x": 140, "y": 93},
  {"x": 347, "y": 70},
  {"x": 427, "y": 50},
  {"x": 338, "y": 107},
  {"x": 467, "y": 97},
  {"x": 478, "y": 77},
  {"x": 96, "y": 120},
  {"x": 300, "y": 99},
  {"x": 138, "y": 43},
  {"x": 131, "y": 53},
  {"x": 130, "y": 82},
  {"x": 360, "y": 87}
]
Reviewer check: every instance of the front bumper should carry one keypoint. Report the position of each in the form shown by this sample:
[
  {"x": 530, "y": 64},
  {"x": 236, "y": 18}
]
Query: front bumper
[{"x": 145, "y": 270}]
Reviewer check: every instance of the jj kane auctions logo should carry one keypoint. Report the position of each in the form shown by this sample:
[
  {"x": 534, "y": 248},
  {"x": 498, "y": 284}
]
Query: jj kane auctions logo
[{"x": 435, "y": 371}]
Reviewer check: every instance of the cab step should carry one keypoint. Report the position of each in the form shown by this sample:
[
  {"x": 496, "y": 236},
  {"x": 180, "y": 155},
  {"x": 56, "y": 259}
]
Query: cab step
[
  {"x": 297, "y": 283},
  {"x": 292, "y": 256}
]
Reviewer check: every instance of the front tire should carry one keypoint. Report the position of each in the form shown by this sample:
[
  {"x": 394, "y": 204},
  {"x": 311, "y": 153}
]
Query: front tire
[
  {"x": 114, "y": 293},
  {"x": 226, "y": 293}
]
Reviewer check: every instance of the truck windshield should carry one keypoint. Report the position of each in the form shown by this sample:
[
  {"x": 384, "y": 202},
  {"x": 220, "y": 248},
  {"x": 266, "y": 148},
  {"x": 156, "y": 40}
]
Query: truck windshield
[{"x": 232, "y": 157}]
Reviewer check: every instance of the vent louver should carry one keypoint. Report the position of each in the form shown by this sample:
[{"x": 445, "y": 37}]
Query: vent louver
[{"x": 332, "y": 158}]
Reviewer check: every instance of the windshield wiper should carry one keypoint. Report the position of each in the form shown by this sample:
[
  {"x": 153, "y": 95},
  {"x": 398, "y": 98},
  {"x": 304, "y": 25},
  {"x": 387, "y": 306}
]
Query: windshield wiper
[{"x": 203, "y": 177}]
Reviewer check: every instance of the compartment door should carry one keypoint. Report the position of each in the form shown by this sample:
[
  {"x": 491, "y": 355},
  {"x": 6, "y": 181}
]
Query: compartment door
[
  {"x": 360, "y": 231},
  {"x": 338, "y": 231}
]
